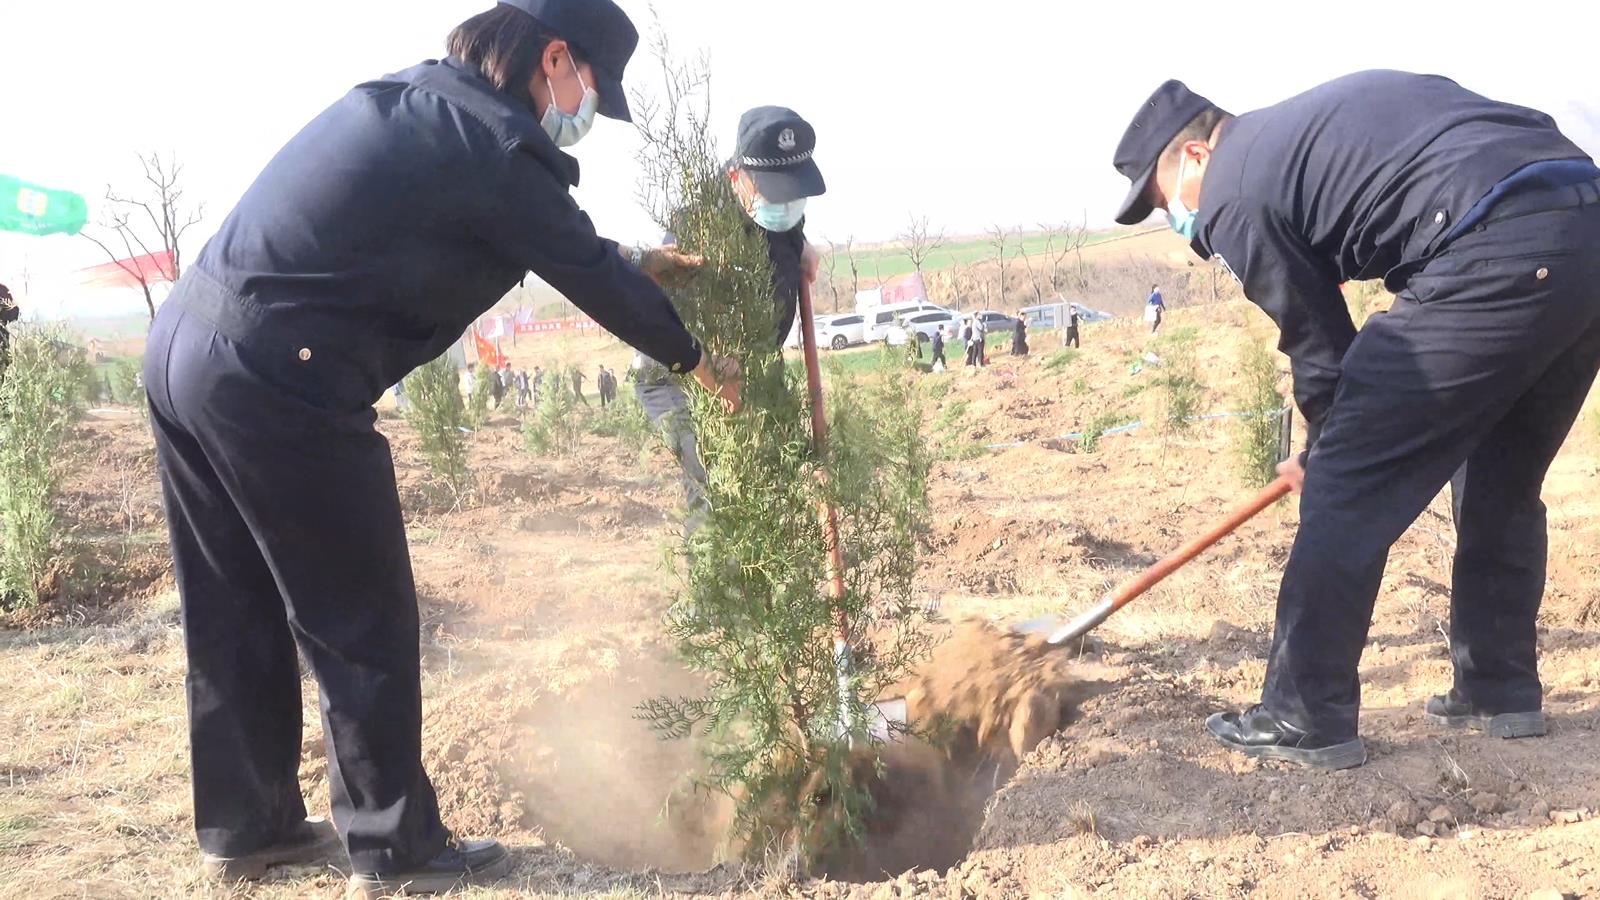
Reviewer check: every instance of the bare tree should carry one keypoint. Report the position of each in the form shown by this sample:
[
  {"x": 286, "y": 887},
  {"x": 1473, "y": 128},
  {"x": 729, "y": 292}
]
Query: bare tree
[
  {"x": 999, "y": 236},
  {"x": 1062, "y": 241},
  {"x": 1034, "y": 274},
  {"x": 855, "y": 266},
  {"x": 831, "y": 272},
  {"x": 149, "y": 226},
  {"x": 920, "y": 241}
]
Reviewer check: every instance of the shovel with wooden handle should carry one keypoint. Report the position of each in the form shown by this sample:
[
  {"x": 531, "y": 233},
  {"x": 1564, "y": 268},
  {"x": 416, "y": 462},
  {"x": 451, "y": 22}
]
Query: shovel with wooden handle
[
  {"x": 886, "y": 712},
  {"x": 1058, "y": 633}
]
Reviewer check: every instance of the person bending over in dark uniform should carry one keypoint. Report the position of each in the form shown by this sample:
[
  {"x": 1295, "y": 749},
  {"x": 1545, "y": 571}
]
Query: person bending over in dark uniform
[
  {"x": 772, "y": 174},
  {"x": 359, "y": 253},
  {"x": 1019, "y": 337},
  {"x": 1482, "y": 218}
]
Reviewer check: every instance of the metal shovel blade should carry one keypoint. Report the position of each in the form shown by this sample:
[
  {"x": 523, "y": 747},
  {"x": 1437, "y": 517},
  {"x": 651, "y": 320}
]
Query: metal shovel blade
[{"x": 1059, "y": 631}]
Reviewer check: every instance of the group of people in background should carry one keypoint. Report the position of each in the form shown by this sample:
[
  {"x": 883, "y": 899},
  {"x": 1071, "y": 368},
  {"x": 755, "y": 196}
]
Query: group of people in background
[
  {"x": 525, "y": 389},
  {"x": 974, "y": 334}
]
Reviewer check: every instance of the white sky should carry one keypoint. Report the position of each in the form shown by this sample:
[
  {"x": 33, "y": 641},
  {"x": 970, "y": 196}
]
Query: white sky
[{"x": 1000, "y": 111}]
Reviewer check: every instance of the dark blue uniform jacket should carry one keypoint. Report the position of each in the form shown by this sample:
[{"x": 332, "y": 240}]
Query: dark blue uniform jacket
[
  {"x": 1360, "y": 178},
  {"x": 395, "y": 218}
]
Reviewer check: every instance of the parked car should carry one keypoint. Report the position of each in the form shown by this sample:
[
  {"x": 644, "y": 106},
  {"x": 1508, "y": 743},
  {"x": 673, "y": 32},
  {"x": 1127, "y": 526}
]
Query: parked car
[
  {"x": 882, "y": 318},
  {"x": 1054, "y": 315},
  {"x": 840, "y": 332},
  {"x": 793, "y": 340},
  {"x": 994, "y": 321},
  {"x": 922, "y": 324}
]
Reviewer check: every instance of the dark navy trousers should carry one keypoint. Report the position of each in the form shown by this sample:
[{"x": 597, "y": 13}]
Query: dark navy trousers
[
  {"x": 286, "y": 528},
  {"x": 1474, "y": 378}
]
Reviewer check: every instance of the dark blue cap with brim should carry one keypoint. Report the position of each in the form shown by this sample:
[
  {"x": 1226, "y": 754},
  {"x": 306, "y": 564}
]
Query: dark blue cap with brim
[
  {"x": 1158, "y": 121},
  {"x": 775, "y": 147},
  {"x": 604, "y": 37}
]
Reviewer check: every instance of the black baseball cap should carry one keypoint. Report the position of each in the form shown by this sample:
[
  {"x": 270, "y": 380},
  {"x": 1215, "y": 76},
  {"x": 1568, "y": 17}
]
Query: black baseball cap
[
  {"x": 775, "y": 147},
  {"x": 1158, "y": 121},
  {"x": 605, "y": 38}
]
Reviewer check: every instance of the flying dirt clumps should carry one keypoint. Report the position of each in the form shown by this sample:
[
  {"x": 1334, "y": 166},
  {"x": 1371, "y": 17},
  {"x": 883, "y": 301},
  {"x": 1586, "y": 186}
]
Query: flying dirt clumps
[{"x": 988, "y": 694}]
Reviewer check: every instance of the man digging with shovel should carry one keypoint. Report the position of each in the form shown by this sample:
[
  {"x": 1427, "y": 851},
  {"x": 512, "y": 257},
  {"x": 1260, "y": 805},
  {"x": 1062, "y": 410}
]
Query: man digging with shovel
[{"x": 1483, "y": 219}]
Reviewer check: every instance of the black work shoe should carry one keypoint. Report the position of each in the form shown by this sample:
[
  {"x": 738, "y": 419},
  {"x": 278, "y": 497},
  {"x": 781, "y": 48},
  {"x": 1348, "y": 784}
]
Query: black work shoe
[
  {"x": 309, "y": 843},
  {"x": 1452, "y": 711},
  {"x": 1256, "y": 732},
  {"x": 458, "y": 864}
]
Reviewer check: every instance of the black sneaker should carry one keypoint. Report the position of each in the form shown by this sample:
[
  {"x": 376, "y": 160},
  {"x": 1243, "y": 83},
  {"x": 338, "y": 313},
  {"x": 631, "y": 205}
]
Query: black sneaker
[
  {"x": 459, "y": 863},
  {"x": 1452, "y": 711},
  {"x": 1256, "y": 732},
  {"x": 312, "y": 842}
]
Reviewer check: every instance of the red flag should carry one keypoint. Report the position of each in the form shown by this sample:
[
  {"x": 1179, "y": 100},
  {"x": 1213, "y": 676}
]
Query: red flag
[
  {"x": 488, "y": 354},
  {"x": 153, "y": 268}
]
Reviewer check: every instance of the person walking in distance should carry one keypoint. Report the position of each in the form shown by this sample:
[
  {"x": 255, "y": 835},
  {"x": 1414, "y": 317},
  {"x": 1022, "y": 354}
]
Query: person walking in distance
[
  {"x": 577, "y": 385},
  {"x": 359, "y": 253},
  {"x": 508, "y": 381},
  {"x": 1154, "y": 308},
  {"x": 939, "y": 364},
  {"x": 1482, "y": 218},
  {"x": 1069, "y": 335},
  {"x": 524, "y": 393}
]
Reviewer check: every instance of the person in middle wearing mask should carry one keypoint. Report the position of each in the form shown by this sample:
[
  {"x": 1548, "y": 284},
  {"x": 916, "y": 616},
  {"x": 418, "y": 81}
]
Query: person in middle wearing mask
[{"x": 772, "y": 173}]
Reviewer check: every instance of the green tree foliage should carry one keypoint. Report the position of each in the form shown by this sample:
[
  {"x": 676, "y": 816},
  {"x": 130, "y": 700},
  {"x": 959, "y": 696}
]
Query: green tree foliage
[
  {"x": 435, "y": 410},
  {"x": 555, "y": 425},
  {"x": 482, "y": 395},
  {"x": 783, "y": 735},
  {"x": 123, "y": 382},
  {"x": 1179, "y": 389},
  {"x": 1097, "y": 428},
  {"x": 41, "y": 392},
  {"x": 624, "y": 420},
  {"x": 1256, "y": 433}
]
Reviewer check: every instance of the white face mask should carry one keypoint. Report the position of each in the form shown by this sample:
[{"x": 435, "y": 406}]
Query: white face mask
[
  {"x": 566, "y": 129},
  {"x": 1180, "y": 217}
]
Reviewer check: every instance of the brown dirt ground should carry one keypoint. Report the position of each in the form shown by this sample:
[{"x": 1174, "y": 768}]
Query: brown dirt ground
[{"x": 541, "y": 634}]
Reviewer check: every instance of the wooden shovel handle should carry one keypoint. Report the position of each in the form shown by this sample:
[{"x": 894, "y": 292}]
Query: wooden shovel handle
[
  {"x": 1149, "y": 578},
  {"x": 819, "y": 440}
]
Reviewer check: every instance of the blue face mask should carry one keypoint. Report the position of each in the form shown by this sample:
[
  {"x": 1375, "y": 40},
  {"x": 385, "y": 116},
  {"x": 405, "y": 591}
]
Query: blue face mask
[
  {"x": 564, "y": 128},
  {"x": 1180, "y": 217},
  {"x": 778, "y": 216}
]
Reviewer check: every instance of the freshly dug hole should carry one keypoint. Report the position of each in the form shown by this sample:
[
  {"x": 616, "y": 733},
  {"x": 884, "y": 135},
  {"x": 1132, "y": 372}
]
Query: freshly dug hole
[
  {"x": 982, "y": 701},
  {"x": 576, "y": 764}
]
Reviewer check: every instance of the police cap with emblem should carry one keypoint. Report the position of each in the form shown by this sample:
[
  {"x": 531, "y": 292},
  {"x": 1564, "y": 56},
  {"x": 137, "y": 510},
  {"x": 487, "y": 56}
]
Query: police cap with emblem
[
  {"x": 775, "y": 147},
  {"x": 605, "y": 39},
  {"x": 1158, "y": 121}
]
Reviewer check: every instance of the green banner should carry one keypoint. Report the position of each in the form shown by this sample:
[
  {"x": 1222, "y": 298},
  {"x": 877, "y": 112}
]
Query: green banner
[{"x": 32, "y": 209}]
